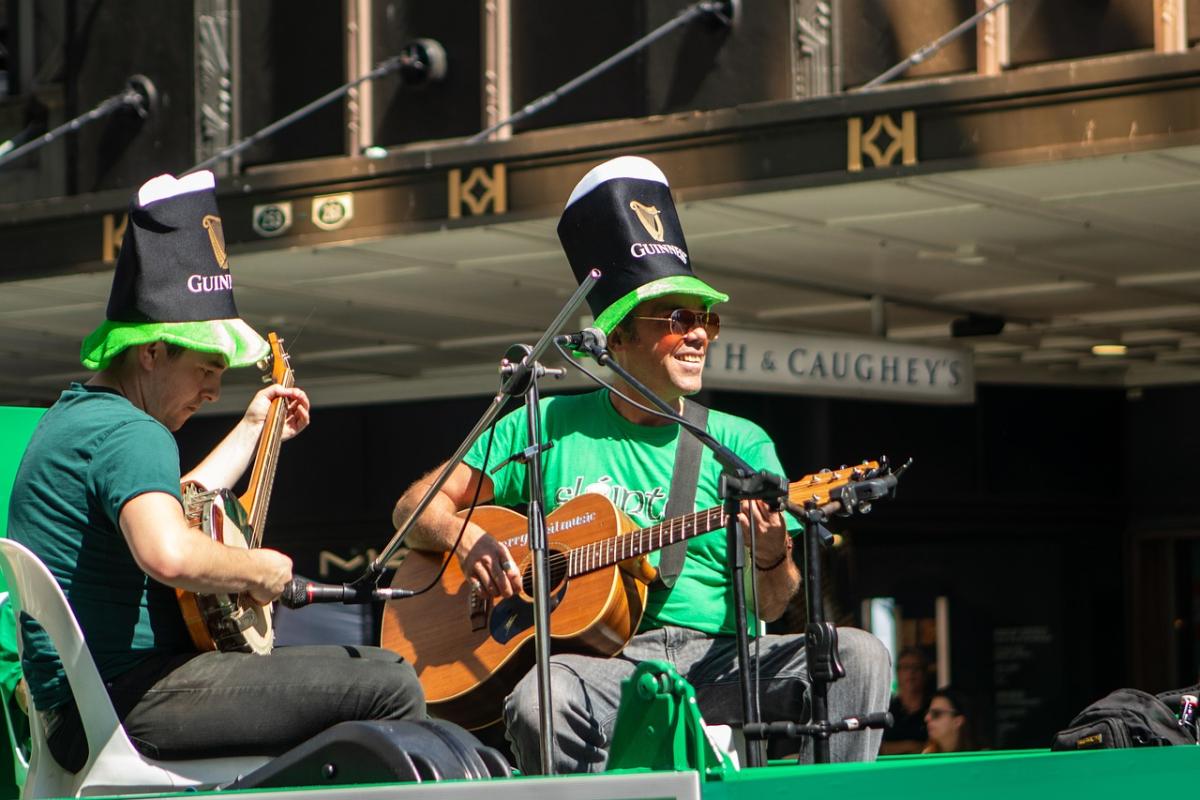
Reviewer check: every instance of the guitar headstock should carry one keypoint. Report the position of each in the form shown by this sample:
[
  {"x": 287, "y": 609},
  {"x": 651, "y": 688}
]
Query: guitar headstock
[
  {"x": 276, "y": 366},
  {"x": 855, "y": 487}
]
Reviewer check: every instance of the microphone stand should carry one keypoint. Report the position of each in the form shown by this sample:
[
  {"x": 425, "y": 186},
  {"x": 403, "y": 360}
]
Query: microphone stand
[
  {"x": 418, "y": 61},
  {"x": 520, "y": 369},
  {"x": 139, "y": 95},
  {"x": 739, "y": 481}
]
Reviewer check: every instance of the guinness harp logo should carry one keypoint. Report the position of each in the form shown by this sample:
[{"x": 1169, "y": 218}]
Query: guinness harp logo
[
  {"x": 216, "y": 237},
  {"x": 650, "y": 217}
]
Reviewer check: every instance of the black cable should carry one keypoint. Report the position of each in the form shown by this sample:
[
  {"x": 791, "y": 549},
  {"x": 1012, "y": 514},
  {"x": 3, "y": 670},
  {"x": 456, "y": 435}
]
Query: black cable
[
  {"x": 753, "y": 539},
  {"x": 138, "y": 95},
  {"x": 487, "y": 452},
  {"x": 420, "y": 60},
  {"x": 575, "y": 363}
]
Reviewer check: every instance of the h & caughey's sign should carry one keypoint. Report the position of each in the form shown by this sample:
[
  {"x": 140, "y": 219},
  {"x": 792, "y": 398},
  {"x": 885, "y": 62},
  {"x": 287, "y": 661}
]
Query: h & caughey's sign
[{"x": 839, "y": 367}]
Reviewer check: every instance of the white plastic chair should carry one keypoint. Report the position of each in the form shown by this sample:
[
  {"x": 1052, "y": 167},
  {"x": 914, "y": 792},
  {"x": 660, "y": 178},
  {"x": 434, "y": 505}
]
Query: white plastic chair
[{"x": 113, "y": 766}]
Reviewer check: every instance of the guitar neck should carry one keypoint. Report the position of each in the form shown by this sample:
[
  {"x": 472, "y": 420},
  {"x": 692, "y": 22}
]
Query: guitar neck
[
  {"x": 815, "y": 489},
  {"x": 257, "y": 498},
  {"x": 615, "y": 549}
]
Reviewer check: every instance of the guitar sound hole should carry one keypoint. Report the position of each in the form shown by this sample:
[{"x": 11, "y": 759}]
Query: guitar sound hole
[{"x": 558, "y": 573}]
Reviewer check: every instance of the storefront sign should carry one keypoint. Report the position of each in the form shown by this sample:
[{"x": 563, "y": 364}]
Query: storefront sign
[{"x": 840, "y": 367}]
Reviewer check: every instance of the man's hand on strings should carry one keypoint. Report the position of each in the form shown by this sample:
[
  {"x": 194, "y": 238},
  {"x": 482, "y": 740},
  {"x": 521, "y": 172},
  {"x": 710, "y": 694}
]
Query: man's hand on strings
[
  {"x": 771, "y": 536},
  {"x": 297, "y": 418},
  {"x": 489, "y": 565}
]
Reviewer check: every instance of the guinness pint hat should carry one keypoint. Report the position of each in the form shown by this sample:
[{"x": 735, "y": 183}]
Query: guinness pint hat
[
  {"x": 172, "y": 282},
  {"x": 621, "y": 219}
]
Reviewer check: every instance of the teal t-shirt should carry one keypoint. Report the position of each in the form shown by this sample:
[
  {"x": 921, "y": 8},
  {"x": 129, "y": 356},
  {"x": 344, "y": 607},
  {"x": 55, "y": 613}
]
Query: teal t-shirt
[
  {"x": 92, "y": 452},
  {"x": 598, "y": 451}
]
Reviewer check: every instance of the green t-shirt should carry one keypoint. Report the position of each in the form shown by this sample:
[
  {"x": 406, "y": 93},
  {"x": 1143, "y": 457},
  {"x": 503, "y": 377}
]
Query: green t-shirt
[
  {"x": 92, "y": 452},
  {"x": 598, "y": 451}
]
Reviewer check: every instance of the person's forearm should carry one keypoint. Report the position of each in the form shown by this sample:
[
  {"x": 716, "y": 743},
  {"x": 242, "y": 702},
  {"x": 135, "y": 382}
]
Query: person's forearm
[
  {"x": 190, "y": 560},
  {"x": 776, "y": 586},
  {"x": 437, "y": 528},
  {"x": 213, "y": 568}
]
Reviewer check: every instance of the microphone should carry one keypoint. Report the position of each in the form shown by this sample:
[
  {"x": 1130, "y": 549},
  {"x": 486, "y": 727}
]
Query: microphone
[
  {"x": 878, "y": 719},
  {"x": 300, "y": 592},
  {"x": 590, "y": 340}
]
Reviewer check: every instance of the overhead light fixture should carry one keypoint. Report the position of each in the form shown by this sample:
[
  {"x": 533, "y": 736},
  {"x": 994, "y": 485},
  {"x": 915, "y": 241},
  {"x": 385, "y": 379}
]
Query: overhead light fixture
[
  {"x": 977, "y": 325},
  {"x": 1109, "y": 349}
]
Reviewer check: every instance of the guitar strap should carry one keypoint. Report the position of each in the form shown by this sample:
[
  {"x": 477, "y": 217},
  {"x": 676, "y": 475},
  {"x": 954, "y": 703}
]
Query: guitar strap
[{"x": 682, "y": 499}]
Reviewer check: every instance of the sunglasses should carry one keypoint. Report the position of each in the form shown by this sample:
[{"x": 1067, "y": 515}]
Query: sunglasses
[{"x": 684, "y": 320}]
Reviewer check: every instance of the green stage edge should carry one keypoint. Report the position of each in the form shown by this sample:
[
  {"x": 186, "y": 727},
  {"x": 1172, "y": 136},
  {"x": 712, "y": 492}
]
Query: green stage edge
[{"x": 1137, "y": 774}]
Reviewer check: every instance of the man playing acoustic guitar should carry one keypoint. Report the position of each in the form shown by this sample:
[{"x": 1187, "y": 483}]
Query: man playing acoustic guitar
[
  {"x": 659, "y": 322},
  {"x": 97, "y": 498}
]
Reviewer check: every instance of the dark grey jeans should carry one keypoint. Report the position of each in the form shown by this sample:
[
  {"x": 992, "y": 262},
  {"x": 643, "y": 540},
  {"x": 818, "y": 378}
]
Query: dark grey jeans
[
  {"x": 213, "y": 704},
  {"x": 586, "y": 691}
]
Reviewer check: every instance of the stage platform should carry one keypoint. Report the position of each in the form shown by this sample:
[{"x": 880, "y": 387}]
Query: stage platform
[{"x": 1011, "y": 775}]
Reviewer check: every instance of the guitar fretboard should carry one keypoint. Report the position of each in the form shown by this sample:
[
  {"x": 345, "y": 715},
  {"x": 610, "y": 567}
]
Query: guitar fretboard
[{"x": 607, "y": 552}]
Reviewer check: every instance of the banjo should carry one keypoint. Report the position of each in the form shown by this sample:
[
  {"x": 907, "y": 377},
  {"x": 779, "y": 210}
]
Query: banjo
[{"x": 235, "y": 622}]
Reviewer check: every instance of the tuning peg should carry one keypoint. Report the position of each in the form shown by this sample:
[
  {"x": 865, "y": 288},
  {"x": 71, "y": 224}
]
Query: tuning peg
[
  {"x": 267, "y": 379},
  {"x": 264, "y": 364}
]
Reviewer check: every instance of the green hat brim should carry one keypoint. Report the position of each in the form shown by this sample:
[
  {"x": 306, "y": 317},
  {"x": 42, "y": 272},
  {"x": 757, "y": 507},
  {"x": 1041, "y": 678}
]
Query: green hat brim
[
  {"x": 610, "y": 317},
  {"x": 232, "y": 338}
]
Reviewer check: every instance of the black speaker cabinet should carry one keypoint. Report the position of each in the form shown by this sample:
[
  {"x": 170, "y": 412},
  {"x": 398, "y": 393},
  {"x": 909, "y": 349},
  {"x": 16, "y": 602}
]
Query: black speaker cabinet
[{"x": 354, "y": 753}]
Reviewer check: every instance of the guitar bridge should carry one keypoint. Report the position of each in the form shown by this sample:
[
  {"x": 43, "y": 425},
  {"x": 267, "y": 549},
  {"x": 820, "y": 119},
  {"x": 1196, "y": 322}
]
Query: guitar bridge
[{"x": 480, "y": 605}]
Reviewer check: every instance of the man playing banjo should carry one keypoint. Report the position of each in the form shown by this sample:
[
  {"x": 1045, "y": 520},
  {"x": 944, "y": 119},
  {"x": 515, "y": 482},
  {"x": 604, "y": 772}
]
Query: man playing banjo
[{"x": 97, "y": 499}]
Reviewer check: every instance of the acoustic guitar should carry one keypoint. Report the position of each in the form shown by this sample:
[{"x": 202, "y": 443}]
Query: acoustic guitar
[
  {"x": 469, "y": 649},
  {"x": 236, "y": 622}
]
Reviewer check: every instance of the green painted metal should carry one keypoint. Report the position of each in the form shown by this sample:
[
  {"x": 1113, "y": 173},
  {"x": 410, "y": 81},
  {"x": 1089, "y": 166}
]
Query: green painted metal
[
  {"x": 1012, "y": 775},
  {"x": 16, "y": 426},
  {"x": 659, "y": 726}
]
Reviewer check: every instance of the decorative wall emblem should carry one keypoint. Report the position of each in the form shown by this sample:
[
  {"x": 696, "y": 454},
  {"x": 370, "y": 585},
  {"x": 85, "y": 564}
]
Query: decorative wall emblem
[
  {"x": 332, "y": 211},
  {"x": 114, "y": 232},
  {"x": 882, "y": 141},
  {"x": 272, "y": 219},
  {"x": 482, "y": 192}
]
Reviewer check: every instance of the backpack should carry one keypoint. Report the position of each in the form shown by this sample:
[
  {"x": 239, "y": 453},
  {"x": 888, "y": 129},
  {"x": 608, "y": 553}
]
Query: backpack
[{"x": 1124, "y": 718}]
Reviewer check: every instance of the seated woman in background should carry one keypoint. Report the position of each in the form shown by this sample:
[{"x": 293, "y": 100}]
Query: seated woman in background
[
  {"x": 907, "y": 734},
  {"x": 948, "y": 720}
]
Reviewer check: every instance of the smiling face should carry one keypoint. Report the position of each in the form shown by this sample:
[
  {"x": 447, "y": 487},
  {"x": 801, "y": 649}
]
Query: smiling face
[
  {"x": 174, "y": 388},
  {"x": 670, "y": 364}
]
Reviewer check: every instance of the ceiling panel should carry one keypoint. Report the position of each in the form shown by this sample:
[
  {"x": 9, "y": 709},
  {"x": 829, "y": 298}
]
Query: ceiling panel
[{"x": 1071, "y": 253}]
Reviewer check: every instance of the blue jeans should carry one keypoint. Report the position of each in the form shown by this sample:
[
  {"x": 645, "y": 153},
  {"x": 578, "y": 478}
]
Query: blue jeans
[
  {"x": 586, "y": 692},
  {"x": 194, "y": 705}
]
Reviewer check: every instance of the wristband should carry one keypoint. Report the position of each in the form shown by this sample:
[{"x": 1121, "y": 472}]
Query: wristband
[{"x": 773, "y": 565}]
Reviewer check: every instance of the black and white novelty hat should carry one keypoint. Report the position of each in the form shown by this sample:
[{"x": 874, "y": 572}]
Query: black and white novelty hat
[
  {"x": 621, "y": 219},
  {"x": 172, "y": 282}
]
